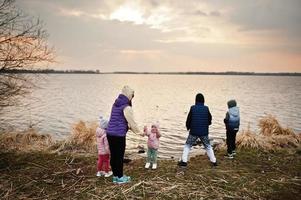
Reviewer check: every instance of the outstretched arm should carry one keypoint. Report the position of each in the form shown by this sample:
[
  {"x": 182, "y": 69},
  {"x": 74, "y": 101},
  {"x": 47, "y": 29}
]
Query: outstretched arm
[
  {"x": 129, "y": 116},
  {"x": 144, "y": 131},
  {"x": 158, "y": 134}
]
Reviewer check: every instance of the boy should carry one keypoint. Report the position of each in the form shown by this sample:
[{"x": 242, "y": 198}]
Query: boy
[
  {"x": 232, "y": 122},
  {"x": 198, "y": 121}
]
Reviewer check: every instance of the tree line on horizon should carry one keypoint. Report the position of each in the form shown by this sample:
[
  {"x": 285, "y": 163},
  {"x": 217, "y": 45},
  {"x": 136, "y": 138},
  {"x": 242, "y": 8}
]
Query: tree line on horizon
[{"x": 74, "y": 71}]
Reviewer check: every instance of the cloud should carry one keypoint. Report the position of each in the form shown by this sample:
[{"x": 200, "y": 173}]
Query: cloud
[
  {"x": 215, "y": 13},
  {"x": 71, "y": 12},
  {"x": 153, "y": 35},
  {"x": 276, "y": 15},
  {"x": 201, "y": 13},
  {"x": 140, "y": 52}
]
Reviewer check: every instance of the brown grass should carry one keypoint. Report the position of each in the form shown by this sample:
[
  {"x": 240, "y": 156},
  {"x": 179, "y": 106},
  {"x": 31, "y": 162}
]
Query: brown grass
[
  {"x": 82, "y": 139},
  {"x": 271, "y": 136},
  {"x": 25, "y": 141},
  {"x": 269, "y": 125},
  {"x": 247, "y": 139},
  {"x": 253, "y": 174}
]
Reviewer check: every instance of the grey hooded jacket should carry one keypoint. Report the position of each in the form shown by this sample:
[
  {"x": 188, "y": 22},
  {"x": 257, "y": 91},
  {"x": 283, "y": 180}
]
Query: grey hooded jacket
[{"x": 232, "y": 119}]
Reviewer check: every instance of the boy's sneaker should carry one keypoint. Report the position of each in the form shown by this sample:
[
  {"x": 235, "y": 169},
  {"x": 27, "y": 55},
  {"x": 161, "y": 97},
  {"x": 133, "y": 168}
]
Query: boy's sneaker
[
  {"x": 115, "y": 179},
  {"x": 230, "y": 156},
  {"x": 182, "y": 164},
  {"x": 108, "y": 174},
  {"x": 234, "y": 153},
  {"x": 124, "y": 179},
  {"x": 100, "y": 173},
  {"x": 147, "y": 165},
  {"x": 214, "y": 164},
  {"x": 154, "y": 166}
]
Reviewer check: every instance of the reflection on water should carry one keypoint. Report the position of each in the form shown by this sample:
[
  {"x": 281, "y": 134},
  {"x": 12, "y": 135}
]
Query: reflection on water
[{"x": 66, "y": 98}]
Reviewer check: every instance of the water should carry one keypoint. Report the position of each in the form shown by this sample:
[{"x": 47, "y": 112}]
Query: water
[{"x": 64, "y": 99}]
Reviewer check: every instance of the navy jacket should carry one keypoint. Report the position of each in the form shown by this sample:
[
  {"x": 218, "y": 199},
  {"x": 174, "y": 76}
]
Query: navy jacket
[{"x": 198, "y": 120}]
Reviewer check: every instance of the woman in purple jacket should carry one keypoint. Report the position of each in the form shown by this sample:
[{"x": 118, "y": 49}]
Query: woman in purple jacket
[{"x": 120, "y": 121}]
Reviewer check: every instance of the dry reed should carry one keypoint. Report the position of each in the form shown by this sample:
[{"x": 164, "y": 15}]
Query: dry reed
[
  {"x": 247, "y": 139},
  {"x": 271, "y": 136},
  {"x": 25, "y": 141},
  {"x": 269, "y": 125},
  {"x": 82, "y": 139}
]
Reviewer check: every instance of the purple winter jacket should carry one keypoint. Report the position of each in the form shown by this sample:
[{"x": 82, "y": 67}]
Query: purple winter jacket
[{"x": 118, "y": 125}]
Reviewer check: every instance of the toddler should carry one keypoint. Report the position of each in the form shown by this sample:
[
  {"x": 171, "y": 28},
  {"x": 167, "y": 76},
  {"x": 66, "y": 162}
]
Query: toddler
[
  {"x": 103, "y": 166},
  {"x": 152, "y": 144}
]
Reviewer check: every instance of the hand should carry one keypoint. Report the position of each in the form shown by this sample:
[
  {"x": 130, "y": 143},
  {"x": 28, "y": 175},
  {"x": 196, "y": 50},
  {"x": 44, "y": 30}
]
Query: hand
[{"x": 144, "y": 128}]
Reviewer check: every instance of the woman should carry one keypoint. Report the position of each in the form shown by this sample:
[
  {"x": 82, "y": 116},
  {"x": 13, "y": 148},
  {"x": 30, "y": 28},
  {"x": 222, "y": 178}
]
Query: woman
[{"x": 121, "y": 120}]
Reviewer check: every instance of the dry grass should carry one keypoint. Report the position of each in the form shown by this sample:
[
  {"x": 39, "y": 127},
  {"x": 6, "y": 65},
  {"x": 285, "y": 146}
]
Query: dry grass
[
  {"x": 271, "y": 136},
  {"x": 251, "y": 175},
  {"x": 82, "y": 139},
  {"x": 269, "y": 125},
  {"x": 247, "y": 139},
  {"x": 25, "y": 141}
]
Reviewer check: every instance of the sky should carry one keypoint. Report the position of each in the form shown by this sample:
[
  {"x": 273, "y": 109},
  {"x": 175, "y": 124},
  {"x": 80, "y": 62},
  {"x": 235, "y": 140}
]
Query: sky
[{"x": 172, "y": 35}]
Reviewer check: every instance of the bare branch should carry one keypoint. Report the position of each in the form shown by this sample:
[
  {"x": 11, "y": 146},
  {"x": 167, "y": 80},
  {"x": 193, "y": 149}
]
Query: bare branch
[{"x": 23, "y": 45}]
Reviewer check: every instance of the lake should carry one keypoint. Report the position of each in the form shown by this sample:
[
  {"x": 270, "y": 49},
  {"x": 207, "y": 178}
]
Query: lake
[{"x": 64, "y": 99}]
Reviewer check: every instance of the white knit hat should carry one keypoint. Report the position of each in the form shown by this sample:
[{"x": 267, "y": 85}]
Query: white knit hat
[
  {"x": 128, "y": 92},
  {"x": 103, "y": 123}
]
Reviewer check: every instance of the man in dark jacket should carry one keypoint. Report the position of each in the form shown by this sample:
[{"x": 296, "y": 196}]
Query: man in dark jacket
[
  {"x": 232, "y": 122},
  {"x": 198, "y": 121}
]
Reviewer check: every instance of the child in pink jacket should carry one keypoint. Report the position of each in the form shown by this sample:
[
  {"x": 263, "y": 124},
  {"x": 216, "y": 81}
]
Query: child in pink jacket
[
  {"x": 152, "y": 144},
  {"x": 103, "y": 163}
]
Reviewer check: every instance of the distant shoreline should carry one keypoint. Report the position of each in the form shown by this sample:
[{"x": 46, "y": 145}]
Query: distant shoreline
[
  {"x": 51, "y": 71},
  {"x": 212, "y": 73}
]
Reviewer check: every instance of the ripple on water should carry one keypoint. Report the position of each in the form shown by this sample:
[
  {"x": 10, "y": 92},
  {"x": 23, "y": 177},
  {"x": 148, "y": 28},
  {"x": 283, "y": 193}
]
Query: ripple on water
[{"x": 67, "y": 98}]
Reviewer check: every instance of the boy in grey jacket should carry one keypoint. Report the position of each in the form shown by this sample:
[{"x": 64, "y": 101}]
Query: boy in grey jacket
[{"x": 232, "y": 122}]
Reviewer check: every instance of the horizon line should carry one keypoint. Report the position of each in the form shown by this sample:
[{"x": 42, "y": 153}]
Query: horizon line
[{"x": 97, "y": 71}]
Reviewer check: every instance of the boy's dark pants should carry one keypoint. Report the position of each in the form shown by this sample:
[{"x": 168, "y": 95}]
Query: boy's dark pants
[
  {"x": 231, "y": 137},
  {"x": 117, "y": 148}
]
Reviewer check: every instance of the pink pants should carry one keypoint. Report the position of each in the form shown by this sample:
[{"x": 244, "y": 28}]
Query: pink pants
[{"x": 103, "y": 163}]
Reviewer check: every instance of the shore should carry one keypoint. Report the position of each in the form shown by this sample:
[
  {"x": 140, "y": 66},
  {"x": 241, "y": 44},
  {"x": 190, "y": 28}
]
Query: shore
[
  {"x": 267, "y": 166},
  {"x": 253, "y": 174}
]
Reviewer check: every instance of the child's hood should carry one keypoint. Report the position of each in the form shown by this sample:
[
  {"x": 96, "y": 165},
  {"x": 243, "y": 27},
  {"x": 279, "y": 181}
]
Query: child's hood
[
  {"x": 234, "y": 111},
  {"x": 103, "y": 123},
  {"x": 156, "y": 124}
]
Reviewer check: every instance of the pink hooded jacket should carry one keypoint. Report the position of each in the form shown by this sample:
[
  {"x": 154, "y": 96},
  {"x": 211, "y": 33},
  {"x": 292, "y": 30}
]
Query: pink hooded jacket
[
  {"x": 153, "y": 138},
  {"x": 102, "y": 141}
]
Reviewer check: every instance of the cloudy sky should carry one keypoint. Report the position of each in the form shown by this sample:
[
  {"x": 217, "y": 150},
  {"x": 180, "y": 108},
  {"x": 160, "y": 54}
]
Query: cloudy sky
[{"x": 172, "y": 35}]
